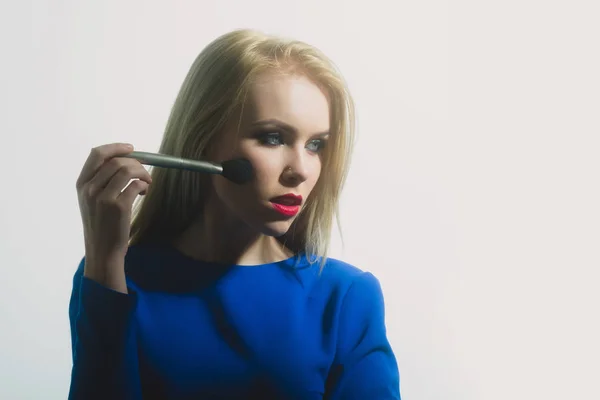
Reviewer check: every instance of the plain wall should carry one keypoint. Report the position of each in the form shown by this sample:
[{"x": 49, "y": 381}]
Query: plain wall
[{"x": 473, "y": 195}]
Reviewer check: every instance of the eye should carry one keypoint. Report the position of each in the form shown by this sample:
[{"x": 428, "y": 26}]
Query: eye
[
  {"x": 270, "y": 138},
  {"x": 316, "y": 145}
]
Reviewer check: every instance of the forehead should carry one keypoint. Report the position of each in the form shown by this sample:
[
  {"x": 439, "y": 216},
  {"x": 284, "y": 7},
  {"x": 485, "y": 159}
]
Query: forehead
[{"x": 294, "y": 99}]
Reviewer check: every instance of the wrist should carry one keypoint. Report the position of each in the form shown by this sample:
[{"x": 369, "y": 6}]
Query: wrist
[{"x": 107, "y": 272}]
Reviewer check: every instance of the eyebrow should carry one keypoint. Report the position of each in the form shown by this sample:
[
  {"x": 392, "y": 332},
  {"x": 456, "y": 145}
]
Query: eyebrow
[{"x": 284, "y": 126}]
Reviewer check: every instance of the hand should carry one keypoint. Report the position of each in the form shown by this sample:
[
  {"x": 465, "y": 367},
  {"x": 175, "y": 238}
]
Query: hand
[{"x": 106, "y": 210}]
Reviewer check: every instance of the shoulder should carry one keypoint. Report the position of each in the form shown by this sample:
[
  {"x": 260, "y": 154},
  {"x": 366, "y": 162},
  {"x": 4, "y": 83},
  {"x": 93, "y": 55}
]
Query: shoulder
[
  {"x": 345, "y": 279},
  {"x": 354, "y": 300},
  {"x": 342, "y": 272}
]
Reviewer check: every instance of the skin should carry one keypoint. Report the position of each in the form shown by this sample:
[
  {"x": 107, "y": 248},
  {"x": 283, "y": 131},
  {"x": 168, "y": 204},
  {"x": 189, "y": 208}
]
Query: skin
[
  {"x": 106, "y": 211},
  {"x": 239, "y": 224}
]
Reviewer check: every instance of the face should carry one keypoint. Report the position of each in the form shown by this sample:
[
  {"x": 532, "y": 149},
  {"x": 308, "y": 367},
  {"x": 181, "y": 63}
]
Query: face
[{"x": 283, "y": 129}]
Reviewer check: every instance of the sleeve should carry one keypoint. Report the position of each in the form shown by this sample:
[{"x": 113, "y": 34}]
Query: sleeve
[
  {"x": 105, "y": 364},
  {"x": 365, "y": 365}
]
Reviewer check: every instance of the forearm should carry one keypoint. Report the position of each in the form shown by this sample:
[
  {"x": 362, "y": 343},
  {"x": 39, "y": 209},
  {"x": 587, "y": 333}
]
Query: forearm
[{"x": 105, "y": 363}]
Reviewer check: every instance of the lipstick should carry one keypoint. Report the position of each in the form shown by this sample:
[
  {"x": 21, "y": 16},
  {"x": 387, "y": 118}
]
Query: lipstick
[{"x": 288, "y": 204}]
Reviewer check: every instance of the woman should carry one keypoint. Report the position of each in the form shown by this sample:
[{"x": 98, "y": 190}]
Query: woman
[{"x": 219, "y": 290}]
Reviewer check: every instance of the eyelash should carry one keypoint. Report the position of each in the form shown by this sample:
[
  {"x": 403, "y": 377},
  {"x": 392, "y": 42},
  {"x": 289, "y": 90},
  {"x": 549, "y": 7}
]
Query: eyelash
[{"x": 265, "y": 138}]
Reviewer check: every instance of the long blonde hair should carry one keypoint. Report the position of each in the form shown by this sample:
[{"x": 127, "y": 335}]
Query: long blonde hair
[{"x": 213, "y": 90}]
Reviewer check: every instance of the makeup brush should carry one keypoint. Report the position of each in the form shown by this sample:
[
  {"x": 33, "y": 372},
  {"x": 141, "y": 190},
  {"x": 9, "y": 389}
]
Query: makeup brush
[{"x": 238, "y": 170}]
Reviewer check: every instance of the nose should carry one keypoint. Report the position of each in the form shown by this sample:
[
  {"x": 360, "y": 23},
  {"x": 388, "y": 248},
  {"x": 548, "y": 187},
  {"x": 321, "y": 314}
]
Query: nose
[{"x": 296, "y": 169}]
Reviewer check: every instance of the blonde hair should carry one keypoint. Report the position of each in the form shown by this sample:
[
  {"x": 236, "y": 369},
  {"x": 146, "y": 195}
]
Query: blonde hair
[{"x": 213, "y": 91}]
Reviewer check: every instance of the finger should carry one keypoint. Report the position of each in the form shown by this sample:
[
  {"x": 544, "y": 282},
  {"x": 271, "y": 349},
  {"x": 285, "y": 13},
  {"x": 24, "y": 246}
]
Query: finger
[
  {"x": 120, "y": 180},
  {"x": 99, "y": 155},
  {"x": 129, "y": 195},
  {"x": 109, "y": 170}
]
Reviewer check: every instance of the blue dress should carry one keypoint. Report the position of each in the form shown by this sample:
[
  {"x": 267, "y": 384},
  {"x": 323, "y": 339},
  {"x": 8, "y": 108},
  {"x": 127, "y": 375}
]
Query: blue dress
[{"x": 196, "y": 330}]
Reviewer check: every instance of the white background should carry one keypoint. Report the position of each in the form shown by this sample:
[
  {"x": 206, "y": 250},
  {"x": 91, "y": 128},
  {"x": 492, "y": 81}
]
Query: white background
[{"x": 473, "y": 195}]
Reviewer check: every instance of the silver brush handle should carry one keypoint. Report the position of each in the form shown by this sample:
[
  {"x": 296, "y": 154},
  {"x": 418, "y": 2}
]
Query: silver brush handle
[{"x": 161, "y": 160}]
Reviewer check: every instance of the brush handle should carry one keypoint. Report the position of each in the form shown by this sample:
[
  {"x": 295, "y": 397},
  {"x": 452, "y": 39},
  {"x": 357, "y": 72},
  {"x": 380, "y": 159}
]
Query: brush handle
[{"x": 161, "y": 160}]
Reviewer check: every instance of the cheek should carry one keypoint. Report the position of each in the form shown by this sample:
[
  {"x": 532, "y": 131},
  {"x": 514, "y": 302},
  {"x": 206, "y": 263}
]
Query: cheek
[
  {"x": 316, "y": 170},
  {"x": 265, "y": 177},
  {"x": 266, "y": 170}
]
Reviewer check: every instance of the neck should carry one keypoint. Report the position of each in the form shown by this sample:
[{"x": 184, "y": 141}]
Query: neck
[{"x": 216, "y": 236}]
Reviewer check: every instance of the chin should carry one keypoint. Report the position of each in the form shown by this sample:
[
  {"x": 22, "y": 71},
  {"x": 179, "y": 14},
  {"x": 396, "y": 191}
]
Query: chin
[{"x": 276, "y": 228}]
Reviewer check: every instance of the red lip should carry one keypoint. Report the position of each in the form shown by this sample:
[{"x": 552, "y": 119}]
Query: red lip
[
  {"x": 289, "y": 199},
  {"x": 288, "y": 211},
  {"x": 288, "y": 204}
]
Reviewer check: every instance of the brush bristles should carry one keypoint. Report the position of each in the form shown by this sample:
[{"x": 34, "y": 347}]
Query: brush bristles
[{"x": 238, "y": 171}]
